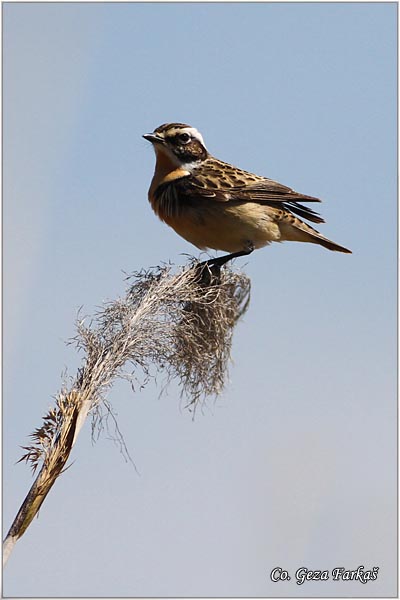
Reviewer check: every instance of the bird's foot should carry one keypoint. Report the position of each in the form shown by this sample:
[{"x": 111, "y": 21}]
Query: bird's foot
[
  {"x": 222, "y": 260},
  {"x": 208, "y": 273},
  {"x": 210, "y": 270}
]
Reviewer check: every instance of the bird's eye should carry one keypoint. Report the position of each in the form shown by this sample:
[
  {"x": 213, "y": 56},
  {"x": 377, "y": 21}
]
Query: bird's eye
[{"x": 184, "y": 138}]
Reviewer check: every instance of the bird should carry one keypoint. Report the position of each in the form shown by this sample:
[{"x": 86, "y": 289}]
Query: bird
[{"x": 214, "y": 205}]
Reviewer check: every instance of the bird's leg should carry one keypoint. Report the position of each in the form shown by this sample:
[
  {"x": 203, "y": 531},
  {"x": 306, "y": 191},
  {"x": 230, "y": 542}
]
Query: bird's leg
[
  {"x": 210, "y": 270},
  {"x": 222, "y": 260}
]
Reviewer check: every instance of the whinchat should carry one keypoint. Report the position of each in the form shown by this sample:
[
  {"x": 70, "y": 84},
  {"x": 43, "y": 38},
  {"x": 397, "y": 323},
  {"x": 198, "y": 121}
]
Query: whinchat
[{"x": 214, "y": 205}]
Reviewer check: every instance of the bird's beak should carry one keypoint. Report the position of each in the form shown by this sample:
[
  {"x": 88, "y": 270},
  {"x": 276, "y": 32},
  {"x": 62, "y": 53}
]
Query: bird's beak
[{"x": 153, "y": 138}]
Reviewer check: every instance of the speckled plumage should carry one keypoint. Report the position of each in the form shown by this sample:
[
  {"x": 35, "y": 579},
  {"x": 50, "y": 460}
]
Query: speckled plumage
[{"x": 213, "y": 204}]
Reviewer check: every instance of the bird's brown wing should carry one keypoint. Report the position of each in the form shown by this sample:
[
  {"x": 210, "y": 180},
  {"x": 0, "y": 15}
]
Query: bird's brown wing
[
  {"x": 259, "y": 189},
  {"x": 271, "y": 192}
]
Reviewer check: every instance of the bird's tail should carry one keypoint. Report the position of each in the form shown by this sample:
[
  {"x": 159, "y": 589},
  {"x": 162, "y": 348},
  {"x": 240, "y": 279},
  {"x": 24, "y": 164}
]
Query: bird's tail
[
  {"x": 298, "y": 231},
  {"x": 323, "y": 241}
]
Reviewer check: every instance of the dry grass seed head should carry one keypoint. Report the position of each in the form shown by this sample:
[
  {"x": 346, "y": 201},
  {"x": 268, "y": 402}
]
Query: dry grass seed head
[{"x": 179, "y": 323}]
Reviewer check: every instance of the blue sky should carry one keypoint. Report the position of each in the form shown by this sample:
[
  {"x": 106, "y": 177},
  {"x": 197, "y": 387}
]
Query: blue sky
[{"x": 295, "y": 465}]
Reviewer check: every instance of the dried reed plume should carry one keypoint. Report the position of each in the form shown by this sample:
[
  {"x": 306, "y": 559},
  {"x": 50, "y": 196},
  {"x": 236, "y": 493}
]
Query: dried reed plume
[{"x": 180, "y": 323}]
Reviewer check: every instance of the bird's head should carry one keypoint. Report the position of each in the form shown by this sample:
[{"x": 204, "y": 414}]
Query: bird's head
[{"x": 182, "y": 144}]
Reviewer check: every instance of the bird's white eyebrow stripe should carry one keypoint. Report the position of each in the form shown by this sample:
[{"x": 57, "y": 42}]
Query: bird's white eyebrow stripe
[{"x": 192, "y": 130}]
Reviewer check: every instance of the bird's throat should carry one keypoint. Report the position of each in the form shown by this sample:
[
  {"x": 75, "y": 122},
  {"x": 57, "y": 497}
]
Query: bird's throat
[{"x": 166, "y": 171}]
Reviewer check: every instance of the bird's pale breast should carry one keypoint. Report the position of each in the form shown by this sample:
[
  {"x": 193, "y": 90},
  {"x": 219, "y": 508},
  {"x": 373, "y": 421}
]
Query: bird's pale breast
[{"x": 225, "y": 227}]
